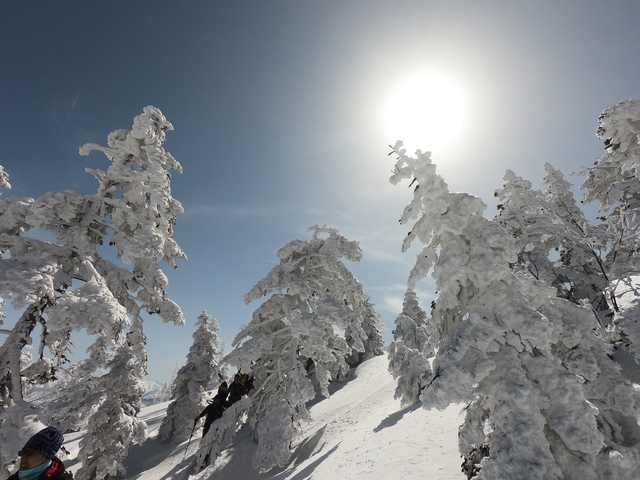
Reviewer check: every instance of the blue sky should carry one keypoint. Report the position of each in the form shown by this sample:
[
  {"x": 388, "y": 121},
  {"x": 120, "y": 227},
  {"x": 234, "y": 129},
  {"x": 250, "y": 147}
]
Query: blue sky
[{"x": 278, "y": 108}]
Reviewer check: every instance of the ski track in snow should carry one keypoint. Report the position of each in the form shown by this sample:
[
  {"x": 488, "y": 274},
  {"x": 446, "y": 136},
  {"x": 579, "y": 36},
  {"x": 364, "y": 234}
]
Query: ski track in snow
[{"x": 360, "y": 432}]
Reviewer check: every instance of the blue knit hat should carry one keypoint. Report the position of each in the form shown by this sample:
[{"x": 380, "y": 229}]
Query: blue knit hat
[{"x": 46, "y": 442}]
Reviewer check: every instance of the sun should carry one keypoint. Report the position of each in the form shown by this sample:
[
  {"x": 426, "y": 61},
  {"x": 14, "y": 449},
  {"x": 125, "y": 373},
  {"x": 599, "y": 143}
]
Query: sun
[{"x": 426, "y": 112}]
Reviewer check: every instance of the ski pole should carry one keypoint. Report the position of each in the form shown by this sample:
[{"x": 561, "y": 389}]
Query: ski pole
[{"x": 192, "y": 430}]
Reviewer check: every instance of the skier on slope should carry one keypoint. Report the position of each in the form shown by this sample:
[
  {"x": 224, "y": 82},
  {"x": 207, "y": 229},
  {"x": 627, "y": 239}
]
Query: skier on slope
[
  {"x": 213, "y": 411},
  {"x": 223, "y": 392}
]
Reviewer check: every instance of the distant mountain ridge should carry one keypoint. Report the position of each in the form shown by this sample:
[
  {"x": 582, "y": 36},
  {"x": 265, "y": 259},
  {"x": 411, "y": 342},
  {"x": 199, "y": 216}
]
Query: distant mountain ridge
[{"x": 156, "y": 392}]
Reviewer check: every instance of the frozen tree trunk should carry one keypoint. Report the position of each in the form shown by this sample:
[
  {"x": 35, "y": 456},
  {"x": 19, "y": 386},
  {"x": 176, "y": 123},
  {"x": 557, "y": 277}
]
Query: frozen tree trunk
[
  {"x": 10, "y": 382},
  {"x": 16, "y": 415}
]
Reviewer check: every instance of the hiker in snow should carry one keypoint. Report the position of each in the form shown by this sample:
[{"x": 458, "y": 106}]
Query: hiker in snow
[
  {"x": 223, "y": 391},
  {"x": 236, "y": 390},
  {"x": 38, "y": 457},
  {"x": 213, "y": 412}
]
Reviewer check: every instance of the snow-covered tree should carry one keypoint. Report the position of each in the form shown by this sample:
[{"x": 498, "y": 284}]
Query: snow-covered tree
[
  {"x": 365, "y": 338},
  {"x": 523, "y": 213},
  {"x": 613, "y": 180},
  {"x": 582, "y": 265},
  {"x": 77, "y": 396},
  {"x": 614, "y": 183},
  {"x": 61, "y": 407},
  {"x": 4, "y": 179},
  {"x": 543, "y": 223},
  {"x": 292, "y": 346},
  {"x": 505, "y": 345},
  {"x": 135, "y": 193},
  {"x": 314, "y": 272},
  {"x": 114, "y": 427},
  {"x": 278, "y": 343},
  {"x": 18, "y": 418},
  {"x": 593, "y": 259},
  {"x": 616, "y": 401},
  {"x": 409, "y": 353},
  {"x": 67, "y": 285},
  {"x": 190, "y": 384}
]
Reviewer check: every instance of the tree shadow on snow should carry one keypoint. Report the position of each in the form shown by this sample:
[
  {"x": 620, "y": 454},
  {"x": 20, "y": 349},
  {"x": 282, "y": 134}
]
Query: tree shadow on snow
[
  {"x": 307, "y": 448},
  {"x": 309, "y": 469},
  {"x": 237, "y": 459},
  {"x": 241, "y": 453},
  {"x": 394, "y": 418},
  {"x": 181, "y": 470},
  {"x": 333, "y": 387},
  {"x": 150, "y": 454}
]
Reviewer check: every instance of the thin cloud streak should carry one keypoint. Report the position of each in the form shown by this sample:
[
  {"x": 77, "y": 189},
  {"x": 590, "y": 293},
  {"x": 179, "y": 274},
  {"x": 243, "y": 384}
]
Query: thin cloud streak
[{"x": 227, "y": 211}]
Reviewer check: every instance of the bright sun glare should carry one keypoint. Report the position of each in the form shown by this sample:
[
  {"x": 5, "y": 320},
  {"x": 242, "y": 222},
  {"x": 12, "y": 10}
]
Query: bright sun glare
[{"x": 426, "y": 112}]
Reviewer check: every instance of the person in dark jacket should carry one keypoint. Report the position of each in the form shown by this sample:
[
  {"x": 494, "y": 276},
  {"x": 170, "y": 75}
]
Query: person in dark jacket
[
  {"x": 236, "y": 390},
  {"x": 223, "y": 391},
  {"x": 38, "y": 459},
  {"x": 213, "y": 412}
]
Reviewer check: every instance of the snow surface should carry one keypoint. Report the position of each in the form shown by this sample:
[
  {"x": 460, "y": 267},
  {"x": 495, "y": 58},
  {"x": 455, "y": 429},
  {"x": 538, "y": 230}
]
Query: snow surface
[{"x": 360, "y": 432}]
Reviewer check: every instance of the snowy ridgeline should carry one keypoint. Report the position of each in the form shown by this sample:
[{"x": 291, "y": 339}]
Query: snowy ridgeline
[
  {"x": 155, "y": 393},
  {"x": 360, "y": 432}
]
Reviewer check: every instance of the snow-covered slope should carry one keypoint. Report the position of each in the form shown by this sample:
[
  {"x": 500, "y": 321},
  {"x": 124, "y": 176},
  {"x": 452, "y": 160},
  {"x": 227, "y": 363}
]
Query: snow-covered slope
[{"x": 360, "y": 432}]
